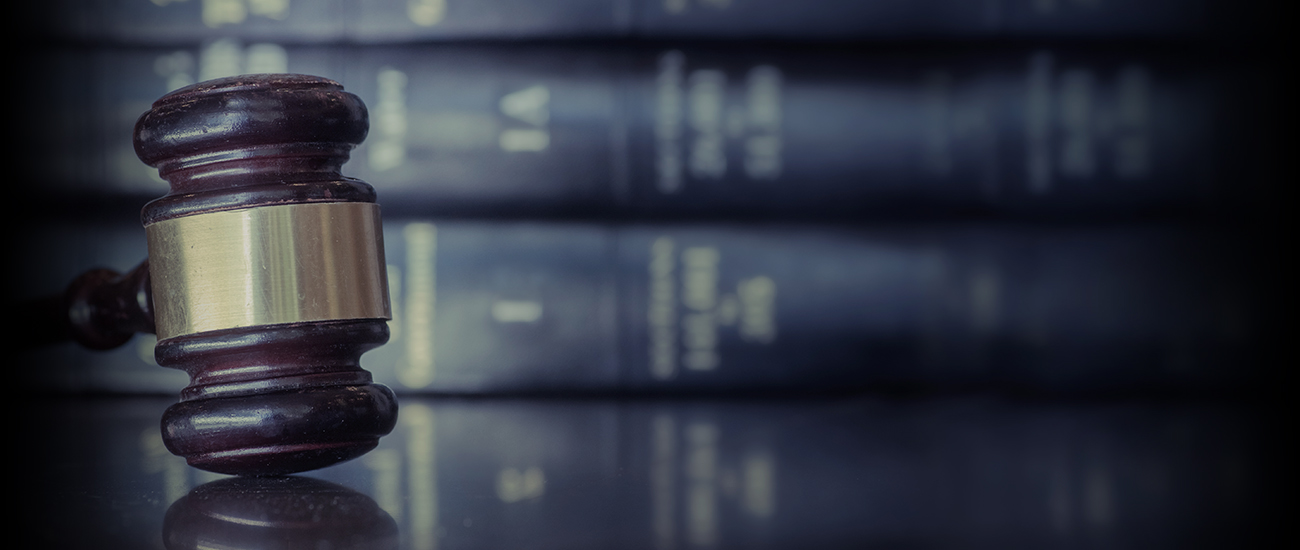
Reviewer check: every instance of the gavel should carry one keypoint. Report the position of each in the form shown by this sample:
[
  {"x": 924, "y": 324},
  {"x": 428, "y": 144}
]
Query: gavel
[{"x": 265, "y": 279}]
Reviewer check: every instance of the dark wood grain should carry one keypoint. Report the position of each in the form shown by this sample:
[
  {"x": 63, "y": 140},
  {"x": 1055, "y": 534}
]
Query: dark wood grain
[
  {"x": 278, "y": 399},
  {"x": 252, "y": 140},
  {"x": 262, "y": 400}
]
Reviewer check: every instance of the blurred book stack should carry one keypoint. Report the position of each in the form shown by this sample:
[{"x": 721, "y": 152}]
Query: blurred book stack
[
  {"x": 766, "y": 274},
  {"x": 662, "y": 196}
]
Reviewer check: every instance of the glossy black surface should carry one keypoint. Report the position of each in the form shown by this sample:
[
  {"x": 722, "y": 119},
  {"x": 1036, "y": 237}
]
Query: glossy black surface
[
  {"x": 278, "y": 512},
  {"x": 838, "y": 473}
]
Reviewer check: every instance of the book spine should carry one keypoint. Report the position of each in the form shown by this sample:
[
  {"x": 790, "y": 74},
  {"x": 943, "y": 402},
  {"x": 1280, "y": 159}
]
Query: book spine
[
  {"x": 163, "y": 21},
  {"x": 683, "y": 308},
  {"x": 497, "y": 307},
  {"x": 1022, "y": 133},
  {"x": 720, "y": 132}
]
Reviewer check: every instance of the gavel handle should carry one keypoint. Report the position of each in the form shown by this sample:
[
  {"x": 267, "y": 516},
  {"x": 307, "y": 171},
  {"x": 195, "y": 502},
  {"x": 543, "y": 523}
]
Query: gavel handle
[{"x": 101, "y": 309}]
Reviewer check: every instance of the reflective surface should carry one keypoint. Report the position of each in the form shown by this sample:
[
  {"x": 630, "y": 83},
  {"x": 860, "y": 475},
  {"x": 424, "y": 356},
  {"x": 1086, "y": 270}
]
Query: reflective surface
[
  {"x": 663, "y": 474},
  {"x": 281, "y": 512}
]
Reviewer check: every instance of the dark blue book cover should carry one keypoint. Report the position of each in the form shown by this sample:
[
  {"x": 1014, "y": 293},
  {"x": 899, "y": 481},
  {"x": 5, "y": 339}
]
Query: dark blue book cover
[
  {"x": 374, "y": 21},
  {"x": 492, "y": 307},
  {"x": 711, "y": 132}
]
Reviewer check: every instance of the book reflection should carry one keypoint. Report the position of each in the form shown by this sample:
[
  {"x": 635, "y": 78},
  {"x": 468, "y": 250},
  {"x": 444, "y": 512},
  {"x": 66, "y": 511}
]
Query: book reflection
[{"x": 663, "y": 474}]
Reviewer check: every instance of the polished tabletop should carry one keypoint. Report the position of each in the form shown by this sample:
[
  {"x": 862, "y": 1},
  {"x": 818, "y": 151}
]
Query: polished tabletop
[{"x": 678, "y": 473}]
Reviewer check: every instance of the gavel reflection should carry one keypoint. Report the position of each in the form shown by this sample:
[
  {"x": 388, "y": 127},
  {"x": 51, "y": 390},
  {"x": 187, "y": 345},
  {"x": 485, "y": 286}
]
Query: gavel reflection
[
  {"x": 282, "y": 512},
  {"x": 265, "y": 280}
]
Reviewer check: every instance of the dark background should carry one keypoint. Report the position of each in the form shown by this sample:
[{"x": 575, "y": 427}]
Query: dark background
[{"x": 1086, "y": 441}]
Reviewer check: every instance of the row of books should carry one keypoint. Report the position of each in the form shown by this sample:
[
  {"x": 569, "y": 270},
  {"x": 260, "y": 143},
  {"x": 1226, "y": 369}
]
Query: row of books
[
  {"x": 630, "y": 216},
  {"x": 370, "y": 21},
  {"x": 733, "y": 130},
  {"x": 683, "y": 474},
  {"x": 492, "y": 307}
]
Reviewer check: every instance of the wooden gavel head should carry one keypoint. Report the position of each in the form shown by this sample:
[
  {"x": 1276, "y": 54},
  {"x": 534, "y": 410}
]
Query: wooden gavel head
[{"x": 266, "y": 278}]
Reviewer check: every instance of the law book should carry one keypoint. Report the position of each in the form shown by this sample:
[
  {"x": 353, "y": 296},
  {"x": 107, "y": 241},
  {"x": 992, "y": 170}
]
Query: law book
[
  {"x": 496, "y": 307},
  {"x": 695, "y": 131},
  {"x": 684, "y": 474},
  {"x": 372, "y": 21}
]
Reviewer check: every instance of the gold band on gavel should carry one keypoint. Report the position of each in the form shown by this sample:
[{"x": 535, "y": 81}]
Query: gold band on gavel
[{"x": 267, "y": 265}]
